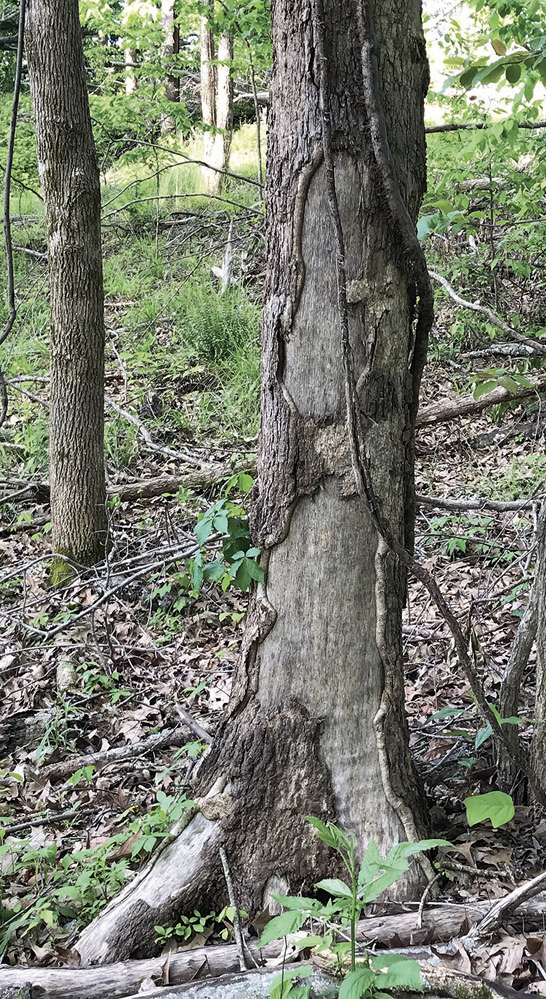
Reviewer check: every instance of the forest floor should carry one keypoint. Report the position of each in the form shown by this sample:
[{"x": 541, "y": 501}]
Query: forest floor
[{"x": 142, "y": 646}]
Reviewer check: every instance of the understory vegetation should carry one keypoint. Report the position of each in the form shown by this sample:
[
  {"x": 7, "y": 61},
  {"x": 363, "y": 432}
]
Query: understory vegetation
[{"x": 114, "y": 682}]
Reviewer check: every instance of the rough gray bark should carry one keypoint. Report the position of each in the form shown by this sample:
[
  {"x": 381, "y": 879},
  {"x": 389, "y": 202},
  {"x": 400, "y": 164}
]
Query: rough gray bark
[
  {"x": 69, "y": 176},
  {"x": 316, "y": 722}
]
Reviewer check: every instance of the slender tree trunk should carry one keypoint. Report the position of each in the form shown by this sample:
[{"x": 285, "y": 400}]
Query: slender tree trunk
[
  {"x": 131, "y": 82},
  {"x": 539, "y": 592},
  {"x": 221, "y": 145},
  {"x": 171, "y": 46},
  {"x": 208, "y": 81},
  {"x": 69, "y": 175},
  {"x": 316, "y": 722}
]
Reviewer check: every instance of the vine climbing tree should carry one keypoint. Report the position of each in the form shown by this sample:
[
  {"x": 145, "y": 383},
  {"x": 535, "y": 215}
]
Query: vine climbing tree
[{"x": 316, "y": 720}]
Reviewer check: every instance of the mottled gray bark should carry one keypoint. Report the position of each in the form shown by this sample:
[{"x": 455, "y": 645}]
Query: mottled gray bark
[
  {"x": 68, "y": 171},
  {"x": 316, "y": 723},
  {"x": 208, "y": 79},
  {"x": 324, "y": 633},
  {"x": 221, "y": 145}
]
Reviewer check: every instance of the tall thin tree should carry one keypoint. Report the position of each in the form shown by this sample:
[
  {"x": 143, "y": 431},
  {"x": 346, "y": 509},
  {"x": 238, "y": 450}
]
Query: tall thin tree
[{"x": 68, "y": 171}]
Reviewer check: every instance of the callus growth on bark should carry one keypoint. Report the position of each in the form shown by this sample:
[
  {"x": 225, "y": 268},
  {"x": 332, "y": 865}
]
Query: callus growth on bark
[{"x": 316, "y": 722}]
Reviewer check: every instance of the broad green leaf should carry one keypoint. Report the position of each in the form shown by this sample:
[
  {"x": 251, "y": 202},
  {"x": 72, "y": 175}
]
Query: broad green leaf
[
  {"x": 483, "y": 388},
  {"x": 245, "y": 482},
  {"x": 400, "y": 972},
  {"x": 499, "y": 46},
  {"x": 356, "y": 984},
  {"x": 335, "y": 887},
  {"x": 495, "y": 805},
  {"x": 282, "y": 985},
  {"x": 310, "y": 941},
  {"x": 513, "y": 72},
  {"x": 281, "y": 926}
]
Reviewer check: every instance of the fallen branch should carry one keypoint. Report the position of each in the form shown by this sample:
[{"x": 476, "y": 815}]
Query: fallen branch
[
  {"x": 147, "y": 437},
  {"x": 464, "y": 126},
  {"x": 502, "y": 908},
  {"x": 160, "y": 740},
  {"x": 467, "y": 405},
  {"x": 492, "y": 317},
  {"x": 479, "y": 503},
  {"x": 209, "y": 475}
]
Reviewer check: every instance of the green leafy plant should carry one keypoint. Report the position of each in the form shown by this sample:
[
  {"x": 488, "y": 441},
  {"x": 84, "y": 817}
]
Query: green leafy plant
[
  {"x": 342, "y": 911},
  {"x": 496, "y": 806}
]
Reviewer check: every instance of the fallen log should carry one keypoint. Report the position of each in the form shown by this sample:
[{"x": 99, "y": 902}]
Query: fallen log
[{"x": 174, "y": 971}]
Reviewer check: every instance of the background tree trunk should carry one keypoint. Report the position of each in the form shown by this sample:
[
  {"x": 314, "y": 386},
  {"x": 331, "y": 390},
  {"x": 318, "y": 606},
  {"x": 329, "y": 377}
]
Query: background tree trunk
[
  {"x": 316, "y": 722},
  {"x": 539, "y": 593},
  {"x": 69, "y": 175},
  {"x": 131, "y": 82},
  {"x": 171, "y": 46},
  {"x": 208, "y": 81},
  {"x": 221, "y": 145}
]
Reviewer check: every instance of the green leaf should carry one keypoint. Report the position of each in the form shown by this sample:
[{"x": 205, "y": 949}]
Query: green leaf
[
  {"x": 310, "y": 941},
  {"x": 203, "y": 530},
  {"x": 482, "y": 736},
  {"x": 483, "y": 388},
  {"x": 356, "y": 984},
  {"x": 281, "y": 926},
  {"x": 446, "y": 713},
  {"x": 335, "y": 887},
  {"x": 400, "y": 972},
  {"x": 325, "y": 832},
  {"x": 495, "y": 805},
  {"x": 513, "y": 72},
  {"x": 245, "y": 482},
  {"x": 282, "y": 985}
]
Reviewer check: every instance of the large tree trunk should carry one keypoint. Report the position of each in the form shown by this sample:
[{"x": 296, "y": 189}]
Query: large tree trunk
[
  {"x": 69, "y": 175},
  {"x": 316, "y": 722}
]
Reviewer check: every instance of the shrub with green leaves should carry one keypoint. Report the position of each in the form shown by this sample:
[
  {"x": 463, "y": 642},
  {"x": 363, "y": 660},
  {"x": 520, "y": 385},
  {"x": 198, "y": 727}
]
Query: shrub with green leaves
[{"x": 368, "y": 976}]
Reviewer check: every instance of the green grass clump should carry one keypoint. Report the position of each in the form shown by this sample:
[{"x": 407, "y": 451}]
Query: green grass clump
[{"x": 216, "y": 327}]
